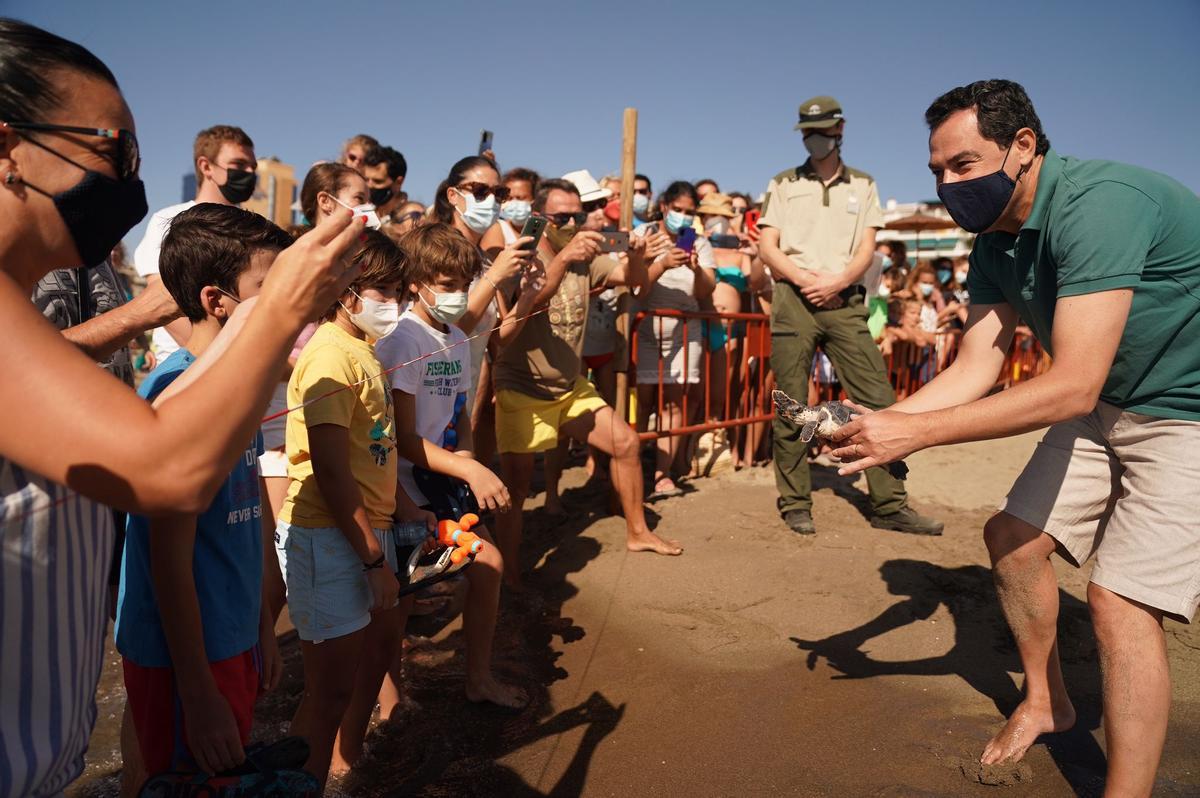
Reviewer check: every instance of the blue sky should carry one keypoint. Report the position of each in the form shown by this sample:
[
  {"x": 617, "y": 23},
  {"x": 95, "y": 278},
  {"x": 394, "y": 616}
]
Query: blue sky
[{"x": 717, "y": 85}]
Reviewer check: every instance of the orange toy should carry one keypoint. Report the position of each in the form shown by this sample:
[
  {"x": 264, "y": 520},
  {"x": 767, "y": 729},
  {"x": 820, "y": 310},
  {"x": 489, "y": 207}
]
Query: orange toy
[{"x": 457, "y": 535}]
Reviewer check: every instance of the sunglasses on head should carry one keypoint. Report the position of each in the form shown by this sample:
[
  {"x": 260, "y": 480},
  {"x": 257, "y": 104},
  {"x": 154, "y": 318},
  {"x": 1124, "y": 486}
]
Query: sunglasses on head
[
  {"x": 480, "y": 191},
  {"x": 563, "y": 219},
  {"x": 128, "y": 156}
]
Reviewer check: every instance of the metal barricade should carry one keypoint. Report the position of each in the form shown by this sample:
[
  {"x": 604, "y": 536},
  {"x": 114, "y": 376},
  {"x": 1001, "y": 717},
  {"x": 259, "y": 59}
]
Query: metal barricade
[{"x": 735, "y": 381}]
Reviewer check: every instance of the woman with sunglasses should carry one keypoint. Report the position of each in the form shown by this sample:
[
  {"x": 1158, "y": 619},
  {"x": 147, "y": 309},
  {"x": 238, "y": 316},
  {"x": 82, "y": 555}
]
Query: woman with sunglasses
[
  {"x": 680, "y": 279},
  {"x": 72, "y": 439}
]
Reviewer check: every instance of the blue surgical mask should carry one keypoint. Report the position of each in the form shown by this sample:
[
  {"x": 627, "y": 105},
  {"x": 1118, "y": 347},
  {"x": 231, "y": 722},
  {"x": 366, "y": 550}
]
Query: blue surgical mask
[
  {"x": 677, "y": 221},
  {"x": 887, "y": 263},
  {"x": 944, "y": 275},
  {"x": 926, "y": 289},
  {"x": 516, "y": 211},
  {"x": 479, "y": 216},
  {"x": 641, "y": 204}
]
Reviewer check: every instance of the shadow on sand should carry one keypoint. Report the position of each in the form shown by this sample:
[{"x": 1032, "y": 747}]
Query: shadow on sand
[{"x": 982, "y": 655}]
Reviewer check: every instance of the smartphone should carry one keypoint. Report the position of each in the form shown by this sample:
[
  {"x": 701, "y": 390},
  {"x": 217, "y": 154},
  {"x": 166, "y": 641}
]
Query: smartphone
[
  {"x": 615, "y": 241},
  {"x": 687, "y": 239},
  {"x": 725, "y": 241},
  {"x": 534, "y": 226},
  {"x": 752, "y": 218},
  {"x": 485, "y": 141}
]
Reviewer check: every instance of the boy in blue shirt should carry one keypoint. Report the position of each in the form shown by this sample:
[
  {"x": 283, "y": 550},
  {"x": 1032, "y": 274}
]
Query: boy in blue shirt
[{"x": 196, "y": 638}]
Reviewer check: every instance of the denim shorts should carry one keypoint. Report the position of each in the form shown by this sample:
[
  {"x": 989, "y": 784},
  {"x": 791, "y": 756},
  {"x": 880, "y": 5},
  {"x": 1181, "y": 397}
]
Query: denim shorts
[{"x": 327, "y": 591}]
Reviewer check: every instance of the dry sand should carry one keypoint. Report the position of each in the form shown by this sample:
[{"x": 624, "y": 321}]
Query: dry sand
[{"x": 856, "y": 662}]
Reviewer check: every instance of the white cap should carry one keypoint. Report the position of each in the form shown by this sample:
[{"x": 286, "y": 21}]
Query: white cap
[{"x": 589, "y": 189}]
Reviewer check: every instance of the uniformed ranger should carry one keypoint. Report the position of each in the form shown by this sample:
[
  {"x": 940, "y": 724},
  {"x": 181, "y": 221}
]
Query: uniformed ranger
[{"x": 818, "y": 238}]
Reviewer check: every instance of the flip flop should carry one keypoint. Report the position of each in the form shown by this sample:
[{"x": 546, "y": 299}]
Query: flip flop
[
  {"x": 665, "y": 493},
  {"x": 424, "y": 570}
]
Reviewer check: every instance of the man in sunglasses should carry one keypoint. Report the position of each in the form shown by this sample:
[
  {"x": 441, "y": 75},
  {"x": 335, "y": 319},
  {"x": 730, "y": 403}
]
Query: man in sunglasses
[
  {"x": 223, "y": 157},
  {"x": 643, "y": 193},
  {"x": 541, "y": 393}
]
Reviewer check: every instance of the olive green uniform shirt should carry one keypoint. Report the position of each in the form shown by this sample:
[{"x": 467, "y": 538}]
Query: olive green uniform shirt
[
  {"x": 820, "y": 227},
  {"x": 1099, "y": 226}
]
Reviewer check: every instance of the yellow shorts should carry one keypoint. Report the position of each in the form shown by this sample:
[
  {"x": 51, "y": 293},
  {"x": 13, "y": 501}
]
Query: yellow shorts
[{"x": 526, "y": 424}]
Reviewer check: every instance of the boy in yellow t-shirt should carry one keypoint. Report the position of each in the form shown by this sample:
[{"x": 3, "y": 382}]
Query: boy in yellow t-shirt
[{"x": 335, "y": 532}]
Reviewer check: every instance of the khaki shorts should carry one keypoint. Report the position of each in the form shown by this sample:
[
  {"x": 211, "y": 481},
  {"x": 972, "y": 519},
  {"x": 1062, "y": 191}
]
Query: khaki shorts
[
  {"x": 526, "y": 424},
  {"x": 1123, "y": 487}
]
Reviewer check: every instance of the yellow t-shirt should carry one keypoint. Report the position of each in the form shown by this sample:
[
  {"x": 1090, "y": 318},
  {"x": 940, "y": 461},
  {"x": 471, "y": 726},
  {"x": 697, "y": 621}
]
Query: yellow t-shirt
[{"x": 329, "y": 362}]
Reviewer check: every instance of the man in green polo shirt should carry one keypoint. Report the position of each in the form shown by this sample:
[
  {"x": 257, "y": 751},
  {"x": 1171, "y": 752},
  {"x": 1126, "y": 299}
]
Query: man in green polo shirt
[
  {"x": 818, "y": 239},
  {"x": 1102, "y": 261}
]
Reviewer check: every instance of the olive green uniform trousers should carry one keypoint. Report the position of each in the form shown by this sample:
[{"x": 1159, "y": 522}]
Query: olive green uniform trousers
[{"x": 797, "y": 328}]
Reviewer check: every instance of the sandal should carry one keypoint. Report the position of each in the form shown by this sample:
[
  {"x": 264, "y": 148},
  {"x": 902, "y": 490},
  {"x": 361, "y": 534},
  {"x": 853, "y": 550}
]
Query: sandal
[{"x": 665, "y": 488}]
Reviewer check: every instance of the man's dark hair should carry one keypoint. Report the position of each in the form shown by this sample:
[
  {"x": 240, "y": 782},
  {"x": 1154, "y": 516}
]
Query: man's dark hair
[
  {"x": 29, "y": 60},
  {"x": 649, "y": 185},
  {"x": 708, "y": 181},
  {"x": 210, "y": 244},
  {"x": 548, "y": 185},
  {"x": 396, "y": 165},
  {"x": 1002, "y": 108}
]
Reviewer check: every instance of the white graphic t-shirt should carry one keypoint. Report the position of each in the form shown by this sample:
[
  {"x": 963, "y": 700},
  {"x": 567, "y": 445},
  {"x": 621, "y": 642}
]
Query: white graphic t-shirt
[
  {"x": 436, "y": 381},
  {"x": 145, "y": 261}
]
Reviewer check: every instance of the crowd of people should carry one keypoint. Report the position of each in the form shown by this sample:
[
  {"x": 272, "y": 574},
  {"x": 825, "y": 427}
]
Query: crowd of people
[{"x": 410, "y": 362}]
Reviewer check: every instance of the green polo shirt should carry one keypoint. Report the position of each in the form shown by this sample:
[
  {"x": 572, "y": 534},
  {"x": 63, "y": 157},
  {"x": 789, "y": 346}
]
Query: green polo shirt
[{"x": 1099, "y": 226}]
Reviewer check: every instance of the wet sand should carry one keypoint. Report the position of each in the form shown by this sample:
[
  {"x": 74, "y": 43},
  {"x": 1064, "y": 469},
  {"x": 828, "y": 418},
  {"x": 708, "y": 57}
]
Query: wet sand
[{"x": 856, "y": 662}]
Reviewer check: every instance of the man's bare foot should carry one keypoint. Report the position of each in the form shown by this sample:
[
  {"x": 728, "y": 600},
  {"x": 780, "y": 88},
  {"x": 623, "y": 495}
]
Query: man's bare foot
[
  {"x": 648, "y": 541},
  {"x": 490, "y": 691},
  {"x": 1023, "y": 728}
]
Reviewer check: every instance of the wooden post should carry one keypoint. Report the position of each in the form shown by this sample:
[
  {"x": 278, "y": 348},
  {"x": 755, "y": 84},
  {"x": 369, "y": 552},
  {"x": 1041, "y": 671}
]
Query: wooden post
[{"x": 624, "y": 299}]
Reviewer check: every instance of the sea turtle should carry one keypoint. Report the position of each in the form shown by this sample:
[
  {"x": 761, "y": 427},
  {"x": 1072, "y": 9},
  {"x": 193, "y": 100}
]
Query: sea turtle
[{"x": 821, "y": 421}]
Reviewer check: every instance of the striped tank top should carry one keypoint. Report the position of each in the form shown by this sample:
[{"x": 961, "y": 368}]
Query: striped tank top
[{"x": 53, "y": 620}]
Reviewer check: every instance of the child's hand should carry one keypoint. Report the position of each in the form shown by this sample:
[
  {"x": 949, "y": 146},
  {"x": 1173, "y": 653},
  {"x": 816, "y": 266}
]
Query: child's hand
[
  {"x": 385, "y": 590},
  {"x": 212, "y": 734},
  {"x": 489, "y": 489}
]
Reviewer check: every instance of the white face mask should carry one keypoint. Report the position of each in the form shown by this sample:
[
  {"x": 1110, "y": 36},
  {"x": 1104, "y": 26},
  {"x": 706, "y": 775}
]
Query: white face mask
[
  {"x": 366, "y": 209},
  {"x": 718, "y": 225},
  {"x": 884, "y": 290},
  {"x": 376, "y": 318},
  {"x": 961, "y": 277},
  {"x": 641, "y": 204},
  {"x": 479, "y": 216},
  {"x": 446, "y": 308},
  {"x": 926, "y": 289},
  {"x": 516, "y": 211}
]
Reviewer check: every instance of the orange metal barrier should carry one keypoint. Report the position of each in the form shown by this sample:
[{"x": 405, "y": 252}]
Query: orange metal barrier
[{"x": 735, "y": 380}]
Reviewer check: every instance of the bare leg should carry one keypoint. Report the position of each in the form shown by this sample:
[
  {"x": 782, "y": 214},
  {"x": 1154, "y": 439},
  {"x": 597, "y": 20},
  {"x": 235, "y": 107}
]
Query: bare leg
[
  {"x": 479, "y": 626},
  {"x": 1137, "y": 689},
  {"x": 391, "y": 692},
  {"x": 380, "y": 641},
  {"x": 668, "y": 445},
  {"x": 605, "y": 379},
  {"x": 556, "y": 458},
  {"x": 132, "y": 771},
  {"x": 1028, "y": 593},
  {"x": 328, "y": 686},
  {"x": 516, "y": 470},
  {"x": 612, "y": 436}
]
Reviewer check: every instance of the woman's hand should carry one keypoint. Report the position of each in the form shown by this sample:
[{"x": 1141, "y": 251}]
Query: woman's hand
[
  {"x": 511, "y": 260},
  {"x": 307, "y": 277}
]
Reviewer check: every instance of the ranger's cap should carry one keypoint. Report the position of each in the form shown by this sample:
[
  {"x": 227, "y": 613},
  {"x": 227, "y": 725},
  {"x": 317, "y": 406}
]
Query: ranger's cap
[{"x": 819, "y": 112}]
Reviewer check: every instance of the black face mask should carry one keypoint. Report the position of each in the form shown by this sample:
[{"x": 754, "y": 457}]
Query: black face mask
[
  {"x": 380, "y": 196},
  {"x": 976, "y": 204},
  {"x": 98, "y": 211},
  {"x": 239, "y": 186}
]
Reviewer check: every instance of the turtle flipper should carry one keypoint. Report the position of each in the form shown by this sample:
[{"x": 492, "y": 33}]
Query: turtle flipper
[{"x": 807, "y": 431}]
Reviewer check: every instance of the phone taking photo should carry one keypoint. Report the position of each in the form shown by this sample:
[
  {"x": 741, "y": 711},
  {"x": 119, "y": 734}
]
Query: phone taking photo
[
  {"x": 687, "y": 239},
  {"x": 752, "y": 218},
  {"x": 485, "y": 141},
  {"x": 534, "y": 226},
  {"x": 615, "y": 241}
]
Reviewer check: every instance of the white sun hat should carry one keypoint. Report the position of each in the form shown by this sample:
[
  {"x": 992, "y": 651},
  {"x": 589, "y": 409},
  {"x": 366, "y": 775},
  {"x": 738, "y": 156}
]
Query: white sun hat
[{"x": 589, "y": 189}]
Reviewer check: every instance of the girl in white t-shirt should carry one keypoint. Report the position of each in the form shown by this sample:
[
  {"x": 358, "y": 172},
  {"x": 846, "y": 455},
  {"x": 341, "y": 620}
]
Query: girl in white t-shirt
[{"x": 679, "y": 280}]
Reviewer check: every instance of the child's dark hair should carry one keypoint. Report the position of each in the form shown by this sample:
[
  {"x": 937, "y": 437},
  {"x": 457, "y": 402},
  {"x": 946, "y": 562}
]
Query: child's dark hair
[
  {"x": 680, "y": 188},
  {"x": 383, "y": 265},
  {"x": 436, "y": 249},
  {"x": 210, "y": 244}
]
